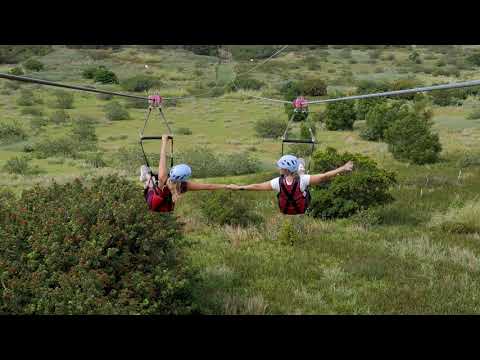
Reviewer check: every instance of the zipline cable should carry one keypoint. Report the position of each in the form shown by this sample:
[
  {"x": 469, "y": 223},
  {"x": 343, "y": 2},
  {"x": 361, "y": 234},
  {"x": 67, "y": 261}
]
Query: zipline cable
[
  {"x": 74, "y": 87},
  {"x": 401, "y": 92}
]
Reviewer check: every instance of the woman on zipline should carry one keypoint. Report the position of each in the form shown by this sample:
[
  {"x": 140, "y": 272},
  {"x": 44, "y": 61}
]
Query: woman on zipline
[
  {"x": 162, "y": 191},
  {"x": 292, "y": 184}
]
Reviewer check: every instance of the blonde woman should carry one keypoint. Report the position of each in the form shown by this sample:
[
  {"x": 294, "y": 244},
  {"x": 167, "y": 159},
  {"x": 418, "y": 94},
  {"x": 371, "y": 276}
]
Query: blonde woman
[{"x": 162, "y": 191}]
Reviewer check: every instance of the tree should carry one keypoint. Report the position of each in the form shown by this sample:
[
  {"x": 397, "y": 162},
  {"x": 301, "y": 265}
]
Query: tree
[
  {"x": 381, "y": 117},
  {"x": 340, "y": 115},
  {"x": 410, "y": 139}
]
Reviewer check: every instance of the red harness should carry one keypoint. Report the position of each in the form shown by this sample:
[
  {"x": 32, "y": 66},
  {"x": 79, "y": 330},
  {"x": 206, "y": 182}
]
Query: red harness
[
  {"x": 161, "y": 200},
  {"x": 291, "y": 200}
]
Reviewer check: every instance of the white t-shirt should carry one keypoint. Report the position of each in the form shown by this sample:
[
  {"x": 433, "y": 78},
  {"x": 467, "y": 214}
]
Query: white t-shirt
[{"x": 304, "y": 182}]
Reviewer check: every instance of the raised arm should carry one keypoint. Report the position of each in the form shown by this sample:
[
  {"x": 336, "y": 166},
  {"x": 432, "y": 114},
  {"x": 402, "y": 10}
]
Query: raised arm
[
  {"x": 162, "y": 165},
  {"x": 317, "y": 179},
  {"x": 192, "y": 186}
]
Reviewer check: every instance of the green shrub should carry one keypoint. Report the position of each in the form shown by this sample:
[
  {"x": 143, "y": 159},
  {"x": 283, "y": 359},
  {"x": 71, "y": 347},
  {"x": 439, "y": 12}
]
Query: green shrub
[
  {"x": 227, "y": 208},
  {"x": 17, "y": 71},
  {"x": 89, "y": 73},
  {"x": 305, "y": 128},
  {"x": 340, "y": 115},
  {"x": 140, "y": 83},
  {"x": 270, "y": 127},
  {"x": 38, "y": 122},
  {"x": 93, "y": 158},
  {"x": 402, "y": 84},
  {"x": 91, "y": 251},
  {"x": 33, "y": 65},
  {"x": 453, "y": 97},
  {"x": 239, "y": 163},
  {"x": 12, "y": 54},
  {"x": 130, "y": 159},
  {"x": 12, "y": 85},
  {"x": 20, "y": 166},
  {"x": 474, "y": 59},
  {"x": 35, "y": 111},
  {"x": 366, "y": 186},
  {"x": 245, "y": 83},
  {"x": 363, "y": 106},
  {"x": 83, "y": 133},
  {"x": 105, "y": 76},
  {"x": 410, "y": 139},
  {"x": 474, "y": 114},
  {"x": 314, "y": 87},
  {"x": 26, "y": 98},
  {"x": 104, "y": 97},
  {"x": 460, "y": 219},
  {"x": 63, "y": 146},
  {"x": 136, "y": 104},
  {"x": 64, "y": 99},
  {"x": 380, "y": 118},
  {"x": 114, "y": 111},
  {"x": 11, "y": 131},
  {"x": 59, "y": 117},
  {"x": 184, "y": 131}
]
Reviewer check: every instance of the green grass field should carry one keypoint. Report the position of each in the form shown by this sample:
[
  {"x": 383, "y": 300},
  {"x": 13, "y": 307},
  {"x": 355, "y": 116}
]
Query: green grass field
[{"x": 406, "y": 263}]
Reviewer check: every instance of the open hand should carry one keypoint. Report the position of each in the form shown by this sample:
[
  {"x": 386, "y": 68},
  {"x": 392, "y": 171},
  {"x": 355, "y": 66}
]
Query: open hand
[
  {"x": 233, "y": 187},
  {"x": 348, "y": 166}
]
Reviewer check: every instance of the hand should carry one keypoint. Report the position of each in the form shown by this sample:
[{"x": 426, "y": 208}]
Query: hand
[
  {"x": 348, "y": 166},
  {"x": 233, "y": 187}
]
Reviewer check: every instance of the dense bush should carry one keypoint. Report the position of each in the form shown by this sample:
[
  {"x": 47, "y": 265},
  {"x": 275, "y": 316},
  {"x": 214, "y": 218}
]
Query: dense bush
[
  {"x": 83, "y": 133},
  {"x": 38, "y": 122},
  {"x": 59, "y": 117},
  {"x": 210, "y": 50},
  {"x": 90, "y": 251},
  {"x": 313, "y": 87},
  {"x": 410, "y": 139},
  {"x": 474, "y": 59},
  {"x": 245, "y": 83},
  {"x": 12, "y": 54},
  {"x": 140, "y": 83},
  {"x": 33, "y": 65},
  {"x": 114, "y": 111},
  {"x": 227, "y": 208},
  {"x": 402, "y": 84},
  {"x": 100, "y": 74},
  {"x": 270, "y": 128},
  {"x": 63, "y": 146},
  {"x": 183, "y": 131},
  {"x": 20, "y": 166},
  {"x": 381, "y": 117},
  {"x": 247, "y": 52},
  {"x": 366, "y": 186},
  {"x": 35, "y": 111},
  {"x": 26, "y": 98},
  {"x": 363, "y": 106},
  {"x": 474, "y": 114},
  {"x": 451, "y": 97},
  {"x": 16, "y": 71},
  {"x": 64, "y": 99},
  {"x": 340, "y": 115},
  {"x": 11, "y": 131}
]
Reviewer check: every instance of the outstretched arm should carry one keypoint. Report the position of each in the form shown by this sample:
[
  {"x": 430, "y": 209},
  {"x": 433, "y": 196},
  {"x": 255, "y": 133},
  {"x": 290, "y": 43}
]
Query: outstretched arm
[
  {"x": 266, "y": 186},
  {"x": 192, "y": 186},
  {"x": 317, "y": 179},
  {"x": 162, "y": 166}
]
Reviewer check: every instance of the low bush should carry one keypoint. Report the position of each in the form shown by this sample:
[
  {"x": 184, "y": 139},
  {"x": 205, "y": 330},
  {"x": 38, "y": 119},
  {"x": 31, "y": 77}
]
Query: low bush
[
  {"x": 11, "y": 131},
  {"x": 104, "y": 97},
  {"x": 366, "y": 186},
  {"x": 314, "y": 87},
  {"x": 26, "y": 98},
  {"x": 64, "y": 99},
  {"x": 83, "y": 133},
  {"x": 16, "y": 71},
  {"x": 63, "y": 146},
  {"x": 20, "y": 166},
  {"x": 460, "y": 219},
  {"x": 114, "y": 111},
  {"x": 474, "y": 114},
  {"x": 35, "y": 111},
  {"x": 228, "y": 208},
  {"x": 183, "y": 131},
  {"x": 140, "y": 83},
  {"x": 270, "y": 127},
  {"x": 59, "y": 117},
  {"x": 91, "y": 251},
  {"x": 33, "y": 65},
  {"x": 245, "y": 83},
  {"x": 100, "y": 74},
  {"x": 38, "y": 122}
]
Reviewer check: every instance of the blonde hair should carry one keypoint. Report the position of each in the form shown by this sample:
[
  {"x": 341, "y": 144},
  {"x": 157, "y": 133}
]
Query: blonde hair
[{"x": 174, "y": 188}]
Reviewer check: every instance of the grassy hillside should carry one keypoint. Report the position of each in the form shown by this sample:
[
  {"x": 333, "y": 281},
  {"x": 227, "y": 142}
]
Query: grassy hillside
[{"x": 411, "y": 256}]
